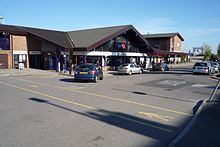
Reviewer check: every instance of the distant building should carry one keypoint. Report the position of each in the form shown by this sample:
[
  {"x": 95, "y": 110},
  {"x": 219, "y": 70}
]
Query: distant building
[{"x": 167, "y": 47}]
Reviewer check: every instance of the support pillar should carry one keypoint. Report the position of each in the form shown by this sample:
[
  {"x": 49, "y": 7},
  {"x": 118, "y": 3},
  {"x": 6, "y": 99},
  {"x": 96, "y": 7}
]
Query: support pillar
[
  {"x": 64, "y": 58},
  {"x": 84, "y": 58},
  {"x": 57, "y": 61}
]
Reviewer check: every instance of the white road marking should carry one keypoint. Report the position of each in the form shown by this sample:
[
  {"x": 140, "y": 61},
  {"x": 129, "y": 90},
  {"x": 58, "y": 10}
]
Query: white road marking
[
  {"x": 199, "y": 85},
  {"x": 171, "y": 83}
]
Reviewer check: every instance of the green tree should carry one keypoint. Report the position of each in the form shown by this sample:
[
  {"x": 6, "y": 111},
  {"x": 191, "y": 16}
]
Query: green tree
[
  {"x": 218, "y": 50},
  {"x": 207, "y": 51}
]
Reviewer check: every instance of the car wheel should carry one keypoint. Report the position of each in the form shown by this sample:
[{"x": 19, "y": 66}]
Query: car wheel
[
  {"x": 95, "y": 79},
  {"x": 101, "y": 77},
  {"x": 130, "y": 73},
  {"x": 141, "y": 71},
  {"x": 210, "y": 73}
]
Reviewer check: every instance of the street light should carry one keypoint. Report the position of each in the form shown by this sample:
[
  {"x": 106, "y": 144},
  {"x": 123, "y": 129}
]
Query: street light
[{"x": 2, "y": 18}]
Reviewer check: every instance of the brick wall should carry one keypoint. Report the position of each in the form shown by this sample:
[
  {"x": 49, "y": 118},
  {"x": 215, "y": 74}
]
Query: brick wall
[
  {"x": 178, "y": 44},
  {"x": 19, "y": 43}
]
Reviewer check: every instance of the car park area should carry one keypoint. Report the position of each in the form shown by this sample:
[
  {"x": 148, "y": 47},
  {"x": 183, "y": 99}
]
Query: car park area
[{"x": 147, "y": 109}]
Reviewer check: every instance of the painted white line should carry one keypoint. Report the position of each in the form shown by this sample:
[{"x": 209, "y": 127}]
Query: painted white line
[
  {"x": 2, "y": 75},
  {"x": 171, "y": 83},
  {"x": 199, "y": 85}
]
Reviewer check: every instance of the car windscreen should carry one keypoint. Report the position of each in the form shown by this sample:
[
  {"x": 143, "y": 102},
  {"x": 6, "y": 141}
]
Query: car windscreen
[
  {"x": 213, "y": 63},
  {"x": 200, "y": 64},
  {"x": 123, "y": 65},
  {"x": 85, "y": 67}
]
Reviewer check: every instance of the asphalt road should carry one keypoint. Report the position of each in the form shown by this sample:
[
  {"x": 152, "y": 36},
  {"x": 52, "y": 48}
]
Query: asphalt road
[{"x": 126, "y": 111}]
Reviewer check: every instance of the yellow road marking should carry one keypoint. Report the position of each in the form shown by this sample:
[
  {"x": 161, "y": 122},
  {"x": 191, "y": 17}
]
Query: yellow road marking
[
  {"x": 155, "y": 115},
  {"x": 108, "y": 97},
  {"x": 89, "y": 107},
  {"x": 34, "y": 86}
]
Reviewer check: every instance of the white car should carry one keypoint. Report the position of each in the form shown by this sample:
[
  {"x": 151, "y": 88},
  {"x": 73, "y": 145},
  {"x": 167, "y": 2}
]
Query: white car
[
  {"x": 129, "y": 68},
  {"x": 203, "y": 67}
]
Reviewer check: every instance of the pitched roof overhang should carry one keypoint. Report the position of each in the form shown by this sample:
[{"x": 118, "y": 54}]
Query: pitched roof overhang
[
  {"x": 57, "y": 37},
  {"x": 12, "y": 29},
  {"x": 92, "y": 38},
  {"x": 82, "y": 39}
]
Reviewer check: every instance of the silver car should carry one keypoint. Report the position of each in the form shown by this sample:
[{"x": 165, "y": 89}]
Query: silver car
[
  {"x": 215, "y": 65},
  {"x": 203, "y": 67},
  {"x": 129, "y": 68}
]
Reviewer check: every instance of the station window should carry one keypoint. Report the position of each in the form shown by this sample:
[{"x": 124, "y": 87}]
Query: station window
[{"x": 4, "y": 41}]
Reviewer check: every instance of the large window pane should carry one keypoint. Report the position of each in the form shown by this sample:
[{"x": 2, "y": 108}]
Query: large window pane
[{"x": 4, "y": 41}]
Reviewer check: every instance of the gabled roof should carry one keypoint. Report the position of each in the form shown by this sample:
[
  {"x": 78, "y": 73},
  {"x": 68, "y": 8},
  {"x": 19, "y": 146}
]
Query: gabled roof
[
  {"x": 163, "y": 35},
  {"x": 81, "y": 39},
  {"x": 57, "y": 37},
  {"x": 12, "y": 29},
  {"x": 91, "y": 38}
]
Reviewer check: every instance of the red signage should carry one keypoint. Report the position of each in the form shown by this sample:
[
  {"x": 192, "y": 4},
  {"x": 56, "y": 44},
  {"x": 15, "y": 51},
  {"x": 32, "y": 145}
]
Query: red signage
[{"x": 123, "y": 45}]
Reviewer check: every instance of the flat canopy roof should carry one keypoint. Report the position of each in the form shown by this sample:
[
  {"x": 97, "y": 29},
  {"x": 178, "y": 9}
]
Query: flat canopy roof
[{"x": 162, "y": 52}]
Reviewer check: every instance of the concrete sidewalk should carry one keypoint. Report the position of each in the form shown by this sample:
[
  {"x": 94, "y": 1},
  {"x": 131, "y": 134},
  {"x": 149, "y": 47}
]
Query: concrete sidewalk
[
  {"x": 181, "y": 65},
  {"x": 26, "y": 72},
  {"x": 38, "y": 72},
  {"x": 206, "y": 130}
]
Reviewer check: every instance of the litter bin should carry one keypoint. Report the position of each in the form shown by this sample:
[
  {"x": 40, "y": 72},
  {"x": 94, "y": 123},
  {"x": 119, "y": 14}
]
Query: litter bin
[{"x": 21, "y": 66}]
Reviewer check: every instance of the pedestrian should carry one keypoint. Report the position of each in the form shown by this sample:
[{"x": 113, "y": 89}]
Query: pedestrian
[{"x": 70, "y": 68}]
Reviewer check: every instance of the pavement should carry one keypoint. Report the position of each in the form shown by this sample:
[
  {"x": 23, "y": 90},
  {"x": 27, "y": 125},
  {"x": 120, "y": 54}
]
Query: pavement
[
  {"x": 204, "y": 129},
  {"x": 26, "y": 72},
  {"x": 38, "y": 72}
]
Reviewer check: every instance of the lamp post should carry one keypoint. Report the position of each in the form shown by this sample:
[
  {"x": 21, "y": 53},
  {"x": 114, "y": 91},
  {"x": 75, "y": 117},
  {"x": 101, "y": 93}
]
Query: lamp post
[{"x": 2, "y": 18}]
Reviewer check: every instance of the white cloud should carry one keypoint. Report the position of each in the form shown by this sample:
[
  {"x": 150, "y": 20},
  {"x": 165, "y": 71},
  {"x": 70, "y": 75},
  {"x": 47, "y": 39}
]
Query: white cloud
[{"x": 157, "y": 25}]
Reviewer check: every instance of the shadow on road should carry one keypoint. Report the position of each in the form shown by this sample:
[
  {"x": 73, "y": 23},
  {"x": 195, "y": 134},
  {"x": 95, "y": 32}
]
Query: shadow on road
[
  {"x": 159, "y": 96},
  {"x": 72, "y": 80},
  {"x": 163, "y": 133}
]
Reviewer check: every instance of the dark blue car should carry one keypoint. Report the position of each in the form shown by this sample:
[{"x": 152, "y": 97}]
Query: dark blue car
[{"x": 88, "y": 72}]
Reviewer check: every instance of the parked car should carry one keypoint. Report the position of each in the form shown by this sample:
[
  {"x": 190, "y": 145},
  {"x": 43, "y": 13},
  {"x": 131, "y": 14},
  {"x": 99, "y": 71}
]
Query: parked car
[
  {"x": 203, "y": 67},
  {"x": 88, "y": 72},
  {"x": 215, "y": 65},
  {"x": 129, "y": 68},
  {"x": 160, "y": 67}
]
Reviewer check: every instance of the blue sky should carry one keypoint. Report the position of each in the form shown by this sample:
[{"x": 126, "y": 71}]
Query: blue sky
[{"x": 198, "y": 21}]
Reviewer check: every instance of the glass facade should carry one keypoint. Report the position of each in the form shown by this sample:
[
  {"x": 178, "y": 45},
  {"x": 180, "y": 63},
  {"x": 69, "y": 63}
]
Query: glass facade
[
  {"x": 119, "y": 44},
  {"x": 4, "y": 41},
  {"x": 20, "y": 58}
]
